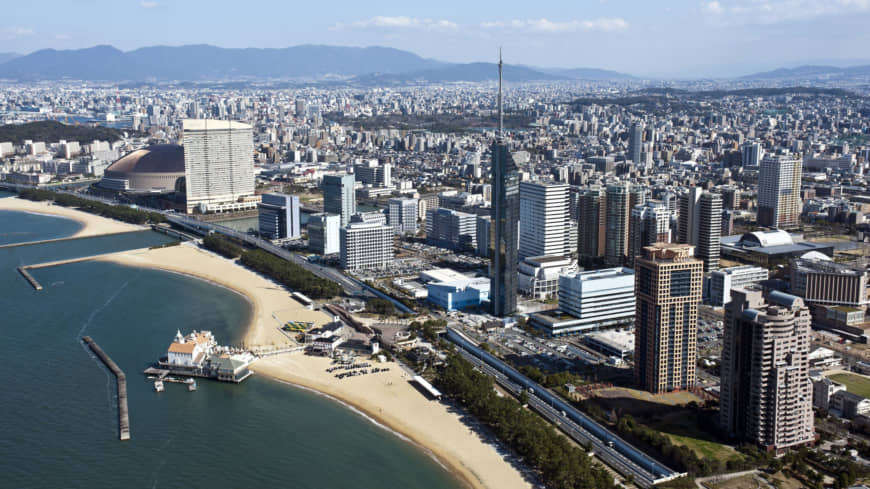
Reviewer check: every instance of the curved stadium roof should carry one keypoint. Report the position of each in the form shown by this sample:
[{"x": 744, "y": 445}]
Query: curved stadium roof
[{"x": 158, "y": 158}]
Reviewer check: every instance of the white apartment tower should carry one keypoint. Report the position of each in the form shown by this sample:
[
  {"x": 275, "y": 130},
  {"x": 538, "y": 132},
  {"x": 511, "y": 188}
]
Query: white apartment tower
[
  {"x": 366, "y": 246},
  {"x": 218, "y": 165},
  {"x": 779, "y": 192},
  {"x": 544, "y": 219}
]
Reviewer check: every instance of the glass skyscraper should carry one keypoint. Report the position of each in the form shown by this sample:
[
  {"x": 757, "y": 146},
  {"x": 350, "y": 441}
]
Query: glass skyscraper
[{"x": 503, "y": 241}]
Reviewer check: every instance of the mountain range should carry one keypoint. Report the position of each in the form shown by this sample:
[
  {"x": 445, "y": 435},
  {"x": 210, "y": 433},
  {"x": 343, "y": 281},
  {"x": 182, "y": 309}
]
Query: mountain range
[
  {"x": 363, "y": 66},
  {"x": 209, "y": 63}
]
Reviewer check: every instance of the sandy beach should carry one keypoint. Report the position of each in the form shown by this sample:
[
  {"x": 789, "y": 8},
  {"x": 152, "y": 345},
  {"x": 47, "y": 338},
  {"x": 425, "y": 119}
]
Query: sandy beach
[
  {"x": 271, "y": 304},
  {"x": 92, "y": 225},
  {"x": 387, "y": 397},
  {"x": 391, "y": 399}
]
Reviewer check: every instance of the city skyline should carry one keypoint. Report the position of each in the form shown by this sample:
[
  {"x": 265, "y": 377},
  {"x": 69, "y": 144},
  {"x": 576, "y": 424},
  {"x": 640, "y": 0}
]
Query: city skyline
[{"x": 647, "y": 40}]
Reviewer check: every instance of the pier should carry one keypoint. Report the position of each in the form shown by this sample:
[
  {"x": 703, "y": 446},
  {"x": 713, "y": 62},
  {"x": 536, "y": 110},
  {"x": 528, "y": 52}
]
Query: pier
[
  {"x": 24, "y": 273},
  {"x": 123, "y": 413},
  {"x": 58, "y": 240}
]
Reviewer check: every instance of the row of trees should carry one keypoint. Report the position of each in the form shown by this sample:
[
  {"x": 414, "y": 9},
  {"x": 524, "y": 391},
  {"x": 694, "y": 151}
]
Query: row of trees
[
  {"x": 54, "y": 131},
  {"x": 560, "y": 464},
  {"x": 290, "y": 274},
  {"x": 222, "y": 246},
  {"x": 287, "y": 273},
  {"x": 119, "y": 212}
]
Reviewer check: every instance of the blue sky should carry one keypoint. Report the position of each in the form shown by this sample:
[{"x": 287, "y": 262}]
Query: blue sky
[{"x": 679, "y": 38}]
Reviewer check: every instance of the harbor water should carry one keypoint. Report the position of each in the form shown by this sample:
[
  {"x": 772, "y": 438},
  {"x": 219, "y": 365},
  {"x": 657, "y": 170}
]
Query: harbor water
[{"x": 60, "y": 425}]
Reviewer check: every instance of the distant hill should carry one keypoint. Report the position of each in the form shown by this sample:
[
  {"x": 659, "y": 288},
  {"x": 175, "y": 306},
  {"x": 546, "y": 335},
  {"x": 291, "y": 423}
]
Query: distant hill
[
  {"x": 591, "y": 74},
  {"x": 53, "y": 131},
  {"x": 470, "y": 72},
  {"x": 811, "y": 72},
  {"x": 203, "y": 62},
  {"x": 4, "y": 57}
]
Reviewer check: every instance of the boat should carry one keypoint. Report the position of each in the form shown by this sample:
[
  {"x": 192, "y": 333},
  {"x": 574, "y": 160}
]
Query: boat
[
  {"x": 158, "y": 385},
  {"x": 191, "y": 385}
]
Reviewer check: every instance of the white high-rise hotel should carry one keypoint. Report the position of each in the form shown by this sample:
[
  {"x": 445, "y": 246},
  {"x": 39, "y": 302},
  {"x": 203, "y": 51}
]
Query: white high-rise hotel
[
  {"x": 544, "y": 219},
  {"x": 218, "y": 165},
  {"x": 779, "y": 189}
]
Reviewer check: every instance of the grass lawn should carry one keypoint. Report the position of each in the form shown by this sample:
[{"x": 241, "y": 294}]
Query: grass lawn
[
  {"x": 856, "y": 384},
  {"x": 705, "y": 448}
]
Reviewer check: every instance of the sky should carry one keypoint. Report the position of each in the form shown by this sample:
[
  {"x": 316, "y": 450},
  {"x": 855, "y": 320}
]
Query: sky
[{"x": 655, "y": 38}]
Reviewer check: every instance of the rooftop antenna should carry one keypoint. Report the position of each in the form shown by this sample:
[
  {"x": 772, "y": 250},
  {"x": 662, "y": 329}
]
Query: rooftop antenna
[{"x": 500, "y": 115}]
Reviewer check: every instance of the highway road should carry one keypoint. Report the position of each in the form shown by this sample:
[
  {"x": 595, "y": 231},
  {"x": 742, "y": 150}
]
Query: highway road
[{"x": 606, "y": 445}]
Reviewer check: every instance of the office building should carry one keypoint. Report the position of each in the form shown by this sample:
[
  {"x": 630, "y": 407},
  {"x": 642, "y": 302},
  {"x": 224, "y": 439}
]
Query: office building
[
  {"x": 617, "y": 212},
  {"x": 751, "y": 154},
  {"x": 454, "y": 291},
  {"x": 339, "y": 197},
  {"x": 323, "y": 233},
  {"x": 668, "y": 291},
  {"x": 403, "y": 216},
  {"x": 700, "y": 224},
  {"x": 369, "y": 172},
  {"x": 538, "y": 276},
  {"x": 779, "y": 188},
  {"x": 366, "y": 246},
  {"x": 483, "y": 235},
  {"x": 635, "y": 143},
  {"x": 451, "y": 229},
  {"x": 544, "y": 219},
  {"x": 218, "y": 165},
  {"x": 765, "y": 395},
  {"x": 279, "y": 216},
  {"x": 650, "y": 223},
  {"x": 591, "y": 228},
  {"x": 824, "y": 282},
  {"x": 505, "y": 218},
  {"x": 722, "y": 281},
  {"x": 376, "y": 217},
  {"x": 590, "y": 301}
]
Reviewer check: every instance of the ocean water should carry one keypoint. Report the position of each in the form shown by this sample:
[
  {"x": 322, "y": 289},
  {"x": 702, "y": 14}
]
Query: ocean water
[{"x": 59, "y": 412}]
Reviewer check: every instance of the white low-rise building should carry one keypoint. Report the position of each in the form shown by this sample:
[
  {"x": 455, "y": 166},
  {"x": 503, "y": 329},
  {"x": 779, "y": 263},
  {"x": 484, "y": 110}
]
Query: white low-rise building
[
  {"x": 190, "y": 350},
  {"x": 538, "y": 276}
]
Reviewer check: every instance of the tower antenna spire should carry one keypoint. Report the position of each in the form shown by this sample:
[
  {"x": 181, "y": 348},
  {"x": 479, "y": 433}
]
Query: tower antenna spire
[{"x": 500, "y": 115}]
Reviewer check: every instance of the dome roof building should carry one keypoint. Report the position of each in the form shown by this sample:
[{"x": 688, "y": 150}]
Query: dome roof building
[{"x": 155, "y": 168}]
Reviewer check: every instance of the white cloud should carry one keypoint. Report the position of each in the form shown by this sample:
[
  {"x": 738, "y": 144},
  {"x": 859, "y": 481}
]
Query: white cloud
[
  {"x": 16, "y": 32},
  {"x": 399, "y": 22},
  {"x": 713, "y": 7},
  {"x": 778, "y": 11},
  {"x": 147, "y": 4},
  {"x": 548, "y": 26}
]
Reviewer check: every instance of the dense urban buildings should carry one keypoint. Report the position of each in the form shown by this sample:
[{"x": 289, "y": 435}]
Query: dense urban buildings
[
  {"x": 779, "y": 192},
  {"x": 218, "y": 165},
  {"x": 766, "y": 396},
  {"x": 668, "y": 291}
]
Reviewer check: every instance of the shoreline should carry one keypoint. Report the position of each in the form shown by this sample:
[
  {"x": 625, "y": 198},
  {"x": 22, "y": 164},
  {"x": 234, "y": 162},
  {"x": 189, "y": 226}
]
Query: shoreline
[
  {"x": 437, "y": 429},
  {"x": 91, "y": 224}
]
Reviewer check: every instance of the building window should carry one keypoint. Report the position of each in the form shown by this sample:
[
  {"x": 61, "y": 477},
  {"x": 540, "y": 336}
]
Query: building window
[
  {"x": 681, "y": 283},
  {"x": 644, "y": 281}
]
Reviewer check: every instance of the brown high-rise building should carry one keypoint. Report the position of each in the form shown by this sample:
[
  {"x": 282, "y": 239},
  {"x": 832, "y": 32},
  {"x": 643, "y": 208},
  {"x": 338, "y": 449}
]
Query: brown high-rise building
[
  {"x": 766, "y": 395},
  {"x": 668, "y": 290},
  {"x": 591, "y": 230}
]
